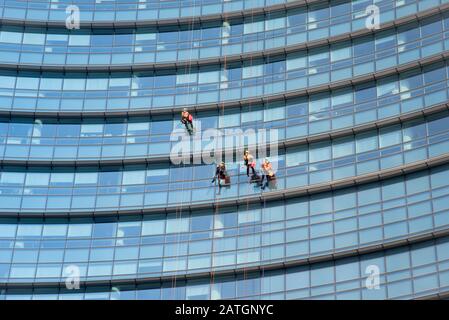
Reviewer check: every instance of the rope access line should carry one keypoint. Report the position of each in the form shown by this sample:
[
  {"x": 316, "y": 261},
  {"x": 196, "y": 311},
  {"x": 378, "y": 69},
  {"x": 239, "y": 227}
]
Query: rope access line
[{"x": 178, "y": 211}]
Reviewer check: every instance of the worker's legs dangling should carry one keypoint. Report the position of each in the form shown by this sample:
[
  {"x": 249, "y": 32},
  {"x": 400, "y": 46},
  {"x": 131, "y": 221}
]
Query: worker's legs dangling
[
  {"x": 252, "y": 170},
  {"x": 189, "y": 127},
  {"x": 264, "y": 185}
]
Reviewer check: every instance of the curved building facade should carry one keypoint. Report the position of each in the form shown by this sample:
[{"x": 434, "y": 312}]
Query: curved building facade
[{"x": 104, "y": 194}]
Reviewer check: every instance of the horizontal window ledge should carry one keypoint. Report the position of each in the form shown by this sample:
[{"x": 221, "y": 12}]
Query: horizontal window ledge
[
  {"x": 189, "y": 20},
  {"x": 222, "y": 60},
  {"x": 256, "y": 198},
  {"x": 280, "y": 145},
  {"x": 438, "y": 296},
  {"x": 237, "y": 271},
  {"x": 241, "y": 103}
]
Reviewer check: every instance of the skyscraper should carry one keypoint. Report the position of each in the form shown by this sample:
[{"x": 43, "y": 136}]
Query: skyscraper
[{"x": 104, "y": 195}]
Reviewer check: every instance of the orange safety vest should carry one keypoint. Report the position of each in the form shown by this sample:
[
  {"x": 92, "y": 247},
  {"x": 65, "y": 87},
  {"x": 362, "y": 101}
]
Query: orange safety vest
[{"x": 267, "y": 168}]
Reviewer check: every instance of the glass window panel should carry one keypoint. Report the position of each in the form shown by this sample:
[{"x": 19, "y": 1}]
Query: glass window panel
[
  {"x": 177, "y": 224},
  {"x": 37, "y": 179},
  {"x": 10, "y": 37},
  {"x": 13, "y": 178},
  {"x": 86, "y": 177},
  {"x": 366, "y": 141},
  {"x": 252, "y": 71},
  {"x": 343, "y": 147},
  {"x": 79, "y": 40},
  {"x": 134, "y": 177},
  {"x": 319, "y": 151},
  {"x": 390, "y": 136}
]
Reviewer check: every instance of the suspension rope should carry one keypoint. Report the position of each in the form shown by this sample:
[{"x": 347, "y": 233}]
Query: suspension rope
[
  {"x": 249, "y": 185},
  {"x": 216, "y": 202},
  {"x": 178, "y": 210}
]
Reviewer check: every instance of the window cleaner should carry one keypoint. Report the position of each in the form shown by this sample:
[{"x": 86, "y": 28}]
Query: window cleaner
[
  {"x": 250, "y": 163},
  {"x": 267, "y": 172},
  {"x": 221, "y": 175},
  {"x": 187, "y": 120}
]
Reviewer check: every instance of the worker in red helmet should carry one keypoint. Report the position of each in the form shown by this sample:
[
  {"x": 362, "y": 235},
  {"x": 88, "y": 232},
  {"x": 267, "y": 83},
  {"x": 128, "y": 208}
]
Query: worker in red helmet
[{"x": 187, "y": 120}]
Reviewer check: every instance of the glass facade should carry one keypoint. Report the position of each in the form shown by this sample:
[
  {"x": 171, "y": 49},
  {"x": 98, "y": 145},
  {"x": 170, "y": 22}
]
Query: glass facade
[
  {"x": 87, "y": 123},
  {"x": 412, "y": 271},
  {"x": 32, "y": 45},
  {"x": 318, "y": 13}
]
